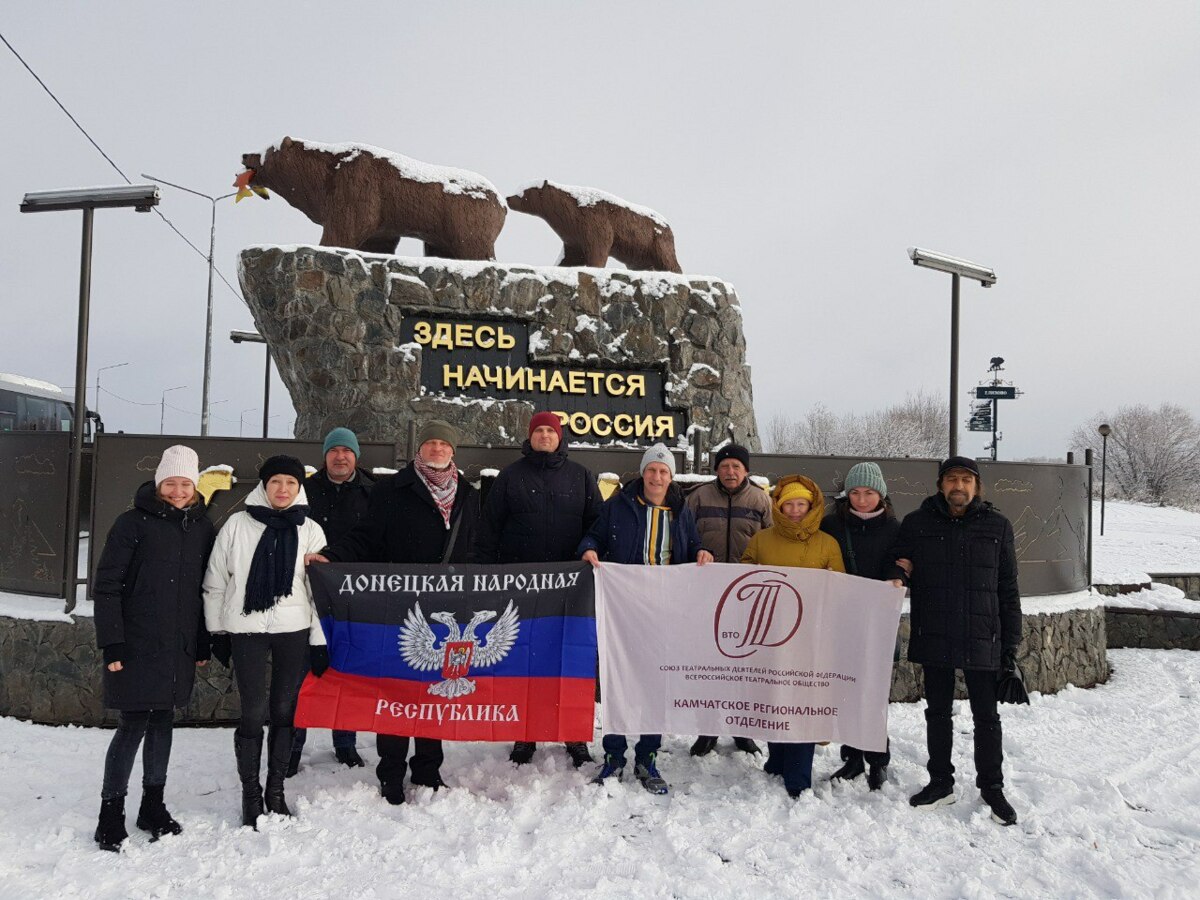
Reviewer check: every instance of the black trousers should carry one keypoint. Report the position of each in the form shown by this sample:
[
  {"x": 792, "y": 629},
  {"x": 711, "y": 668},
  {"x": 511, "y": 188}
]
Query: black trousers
[
  {"x": 154, "y": 726},
  {"x": 393, "y": 755},
  {"x": 276, "y": 704},
  {"x": 939, "y": 724}
]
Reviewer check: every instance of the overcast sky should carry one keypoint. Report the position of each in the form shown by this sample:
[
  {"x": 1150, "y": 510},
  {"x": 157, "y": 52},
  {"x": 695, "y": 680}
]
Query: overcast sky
[{"x": 797, "y": 149}]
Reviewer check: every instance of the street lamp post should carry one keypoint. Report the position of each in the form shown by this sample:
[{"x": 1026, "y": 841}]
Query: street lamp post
[
  {"x": 1105, "y": 430},
  {"x": 212, "y": 244},
  {"x": 141, "y": 197},
  {"x": 242, "y": 419},
  {"x": 253, "y": 337},
  {"x": 162, "y": 415},
  {"x": 956, "y": 268},
  {"x": 98, "y": 371}
]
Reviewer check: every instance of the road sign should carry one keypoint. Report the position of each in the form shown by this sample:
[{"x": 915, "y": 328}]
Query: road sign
[{"x": 995, "y": 392}]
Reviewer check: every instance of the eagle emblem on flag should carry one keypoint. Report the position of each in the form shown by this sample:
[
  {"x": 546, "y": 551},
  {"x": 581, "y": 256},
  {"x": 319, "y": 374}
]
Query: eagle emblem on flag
[{"x": 460, "y": 650}]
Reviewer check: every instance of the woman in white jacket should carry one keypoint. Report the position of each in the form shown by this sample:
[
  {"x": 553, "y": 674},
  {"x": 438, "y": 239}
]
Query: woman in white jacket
[{"x": 257, "y": 604}]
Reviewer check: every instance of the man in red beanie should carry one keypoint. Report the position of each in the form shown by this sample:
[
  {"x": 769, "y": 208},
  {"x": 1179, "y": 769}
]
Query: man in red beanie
[{"x": 538, "y": 510}]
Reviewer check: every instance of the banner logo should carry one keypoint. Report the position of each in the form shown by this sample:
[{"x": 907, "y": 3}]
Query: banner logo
[
  {"x": 460, "y": 649},
  {"x": 759, "y": 609}
]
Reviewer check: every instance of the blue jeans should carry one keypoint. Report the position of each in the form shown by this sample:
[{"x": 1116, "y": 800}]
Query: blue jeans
[
  {"x": 615, "y": 746},
  {"x": 155, "y": 727},
  {"x": 342, "y": 740},
  {"x": 793, "y": 762}
]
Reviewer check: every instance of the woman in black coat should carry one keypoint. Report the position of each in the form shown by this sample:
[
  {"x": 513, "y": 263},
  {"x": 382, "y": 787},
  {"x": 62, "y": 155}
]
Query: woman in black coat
[
  {"x": 866, "y": 528},
  {"x": 150, "y": 628}
]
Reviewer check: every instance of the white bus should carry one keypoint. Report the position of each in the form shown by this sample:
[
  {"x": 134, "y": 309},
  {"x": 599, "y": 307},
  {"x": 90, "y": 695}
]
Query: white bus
[{"x": 27, "y": 404}]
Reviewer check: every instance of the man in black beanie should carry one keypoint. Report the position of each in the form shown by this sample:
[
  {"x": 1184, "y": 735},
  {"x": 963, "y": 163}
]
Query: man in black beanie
[
  {"x": 729, "y": 511},
  {"x": 966, "y": 614}
]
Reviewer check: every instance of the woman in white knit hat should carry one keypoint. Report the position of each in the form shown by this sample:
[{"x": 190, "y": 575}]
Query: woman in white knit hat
[{"x": 150, "y": 628}]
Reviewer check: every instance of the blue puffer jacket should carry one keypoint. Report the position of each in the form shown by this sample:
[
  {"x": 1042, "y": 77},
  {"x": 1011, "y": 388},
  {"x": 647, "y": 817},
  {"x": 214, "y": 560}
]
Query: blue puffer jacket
[{"x": 619, "y": 533}]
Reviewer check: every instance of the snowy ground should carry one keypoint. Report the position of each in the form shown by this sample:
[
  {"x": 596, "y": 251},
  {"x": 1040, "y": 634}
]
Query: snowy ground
[{"x": 1139, "y": 539}]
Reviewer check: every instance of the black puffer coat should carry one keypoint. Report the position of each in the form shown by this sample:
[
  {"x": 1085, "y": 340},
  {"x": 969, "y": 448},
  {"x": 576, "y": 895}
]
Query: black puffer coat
[
  {"x": 866, "y": 543},
  {"x": 538, "y": 510},
  {"x": 147, "y": 595},
  {"x": 403, "y": 525},
  {"x": 966, "y": 606},
  {"x": 338, "y": 508}
]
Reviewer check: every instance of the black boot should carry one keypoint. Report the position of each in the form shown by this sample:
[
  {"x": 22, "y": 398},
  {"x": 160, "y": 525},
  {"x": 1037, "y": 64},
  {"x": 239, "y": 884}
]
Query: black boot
[
  {"x": 851, "y": 769},
  {"x": 1002, "y": 811},
  {"x": 249, "y": 761},
  {"x": 746, "y": 746},
  {"x": 279, "y": 751},
  {"x": 578, "y": 751},
  {"x": 293, "y": 764},
  {"x": 876, "y": 776},
  {"x": 522, "y": 752},
  {"x": 153, "y": 816},
  {"x": 348, "y": 757},
  {"x": 705, "y": 744},
  {"x": 110, "y": 832}
]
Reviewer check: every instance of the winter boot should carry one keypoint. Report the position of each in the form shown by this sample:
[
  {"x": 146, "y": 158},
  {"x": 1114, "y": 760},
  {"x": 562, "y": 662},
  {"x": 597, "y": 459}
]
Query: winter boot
[
  {"x": 746, "y": 746},
  {"x": 876, "y": 776},
  {"x": 279, "y": 750},
  {"x": 348, "y": 757},
  {"x": 249, "y": 760},
  {"x": 392, "y": 791},
  {"x": 522, "y": 752},
  {"x": 110, "y": 831},
  {"x": 430, "y": 781},
  {"x": 647, "y": 774},
  {"x": 851, "y": 769},
  {"x": 293, "y": 765},
  {"x": 705, "y": 744},
  {"x": 937, "y": 793},
  {"x": 613, "y": 766},
  {"x": 153, "y": 816},
  {"x": 1002, "y": 811},
  {"x": 578, "y": 751}
]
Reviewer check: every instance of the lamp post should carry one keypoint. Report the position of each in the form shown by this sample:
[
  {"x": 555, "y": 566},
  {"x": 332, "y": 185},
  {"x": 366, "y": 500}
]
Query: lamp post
[
  {"x": 253, "y": 337},
  {"x": 956, "y": 268},
  {"x": 162, "y": 415},
  {"x": 98, "y": 371},
  {"x": 141, "y": 197},
  {"x": 212, "y": 243},
  {"x": 1105, "y": 430},
  {"x": 242, "y": 419}
]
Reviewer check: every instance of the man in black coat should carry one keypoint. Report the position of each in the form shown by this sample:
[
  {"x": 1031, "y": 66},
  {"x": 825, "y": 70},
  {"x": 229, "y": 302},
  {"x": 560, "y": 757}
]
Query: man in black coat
[
  {"x": 337, "y": 500},
  {"x": 538, "y": 510},
  {"x": 426, "y": 513},
  {"x": 966, "y": 614}
]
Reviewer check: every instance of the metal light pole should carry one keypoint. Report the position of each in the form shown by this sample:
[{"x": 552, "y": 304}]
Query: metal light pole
[
  {"x": 162, "y": 416},
  {"x": 212, "y": 243},
  {"x": 242, "y": 419},
  {"x": 141, "y": 197},
  {"x": 253, "y": 337},
  {"x": 956, "y": 268},
  {"x": 98, "y": 371},
  {"x": 1105, "y": 430}
]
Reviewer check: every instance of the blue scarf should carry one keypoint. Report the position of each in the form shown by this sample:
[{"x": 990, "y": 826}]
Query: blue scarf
[{"x": 274, "y": 563}]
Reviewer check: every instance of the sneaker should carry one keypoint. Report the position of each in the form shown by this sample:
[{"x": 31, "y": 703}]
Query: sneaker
[
  {"x": 936, "y": 793},
  {"x": 613, "y": 765},
  {"x": 392, "y": 792},
  {"x": 647, "y": 774},
  {"x": 522, "y": 752},
  {"x": 1002, "y": 811},
  {"x": 850, "y": 770},
  {"x": 578, "y": 751},
  {"x": 348, "y": 757},
  {"x": 293, "y": 765},
  {"x": 876, "y": 776},
  {"x": 704, "y": 745},
  {"x": 746, "y": 746}
]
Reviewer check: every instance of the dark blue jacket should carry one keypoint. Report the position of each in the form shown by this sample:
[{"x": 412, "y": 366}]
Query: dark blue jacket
[{"x": 619, "y": 532}]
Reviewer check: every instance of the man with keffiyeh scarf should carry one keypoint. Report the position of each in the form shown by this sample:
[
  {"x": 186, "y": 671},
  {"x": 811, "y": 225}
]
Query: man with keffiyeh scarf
[{"x": 426, "y": 513}]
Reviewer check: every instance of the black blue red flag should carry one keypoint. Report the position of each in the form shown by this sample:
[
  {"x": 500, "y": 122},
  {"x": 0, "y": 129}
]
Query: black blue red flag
[{"x": 465, "y": 653}]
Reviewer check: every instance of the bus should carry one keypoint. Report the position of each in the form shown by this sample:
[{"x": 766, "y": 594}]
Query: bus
[{"x": 27, "y": 404}]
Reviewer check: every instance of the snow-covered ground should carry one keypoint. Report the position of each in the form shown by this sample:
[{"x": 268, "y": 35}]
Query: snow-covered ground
[{"x": 1106, "y": 783}]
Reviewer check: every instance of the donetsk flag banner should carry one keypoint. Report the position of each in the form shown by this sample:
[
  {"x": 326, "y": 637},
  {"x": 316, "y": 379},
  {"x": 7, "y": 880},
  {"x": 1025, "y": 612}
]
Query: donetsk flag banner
[
  {"x": 769, "y": 652},
  {"x": 460, "y": 653}
]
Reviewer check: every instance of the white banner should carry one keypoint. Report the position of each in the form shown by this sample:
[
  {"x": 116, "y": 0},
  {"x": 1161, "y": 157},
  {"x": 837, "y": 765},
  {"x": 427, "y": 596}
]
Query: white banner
[{"x": 765, "y": 652}]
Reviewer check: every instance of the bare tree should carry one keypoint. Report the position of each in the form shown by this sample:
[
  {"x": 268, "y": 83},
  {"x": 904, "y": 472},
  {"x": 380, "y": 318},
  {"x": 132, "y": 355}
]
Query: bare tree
[
  {"x": 1153, "y": 454},
  {"x": 914, "y": 427}
]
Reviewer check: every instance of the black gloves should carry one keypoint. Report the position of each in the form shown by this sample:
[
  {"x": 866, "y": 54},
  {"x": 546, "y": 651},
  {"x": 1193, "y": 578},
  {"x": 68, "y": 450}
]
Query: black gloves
[
  {"x": 114, "y": 653},
  {"x": 222, "y": 648},
  {"x": 1008, "y": 662},
  {"x": 318, "y": 659},
  {"x": 1010, "y": 683}
]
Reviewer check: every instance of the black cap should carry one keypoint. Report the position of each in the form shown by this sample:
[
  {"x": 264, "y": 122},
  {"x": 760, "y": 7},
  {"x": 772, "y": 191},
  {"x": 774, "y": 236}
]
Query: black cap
[
  {"x": 732, "y": 451},
  {"x": 281, "y": 465},
  {"x": 958, "y": 462}
]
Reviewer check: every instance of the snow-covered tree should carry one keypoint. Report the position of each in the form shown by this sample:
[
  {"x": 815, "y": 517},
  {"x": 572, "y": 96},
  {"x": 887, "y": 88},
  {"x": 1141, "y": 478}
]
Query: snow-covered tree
[{"x": 914, "y": 427}]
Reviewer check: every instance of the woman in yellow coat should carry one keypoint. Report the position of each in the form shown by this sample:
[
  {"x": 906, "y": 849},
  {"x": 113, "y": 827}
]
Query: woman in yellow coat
[{"x": 794, "y": 540}]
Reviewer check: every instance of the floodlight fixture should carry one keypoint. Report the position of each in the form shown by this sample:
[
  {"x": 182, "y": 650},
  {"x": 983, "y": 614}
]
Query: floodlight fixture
[
  {"x": 250, "y": 337},
  {"x": 253, "y": 337},
  {"x": 952, "y": 265},
  {"x": 141, "y": 197}
]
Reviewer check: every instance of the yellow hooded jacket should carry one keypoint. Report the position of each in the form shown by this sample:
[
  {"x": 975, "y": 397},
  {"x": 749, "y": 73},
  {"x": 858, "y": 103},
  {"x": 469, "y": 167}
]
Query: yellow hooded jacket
[{"x": 800, "y": 544}]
